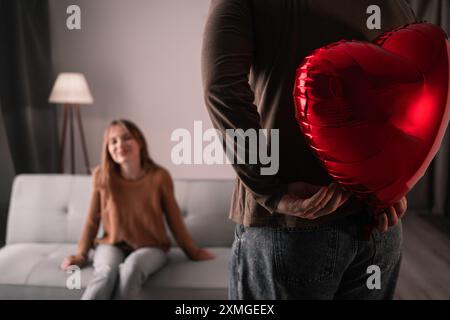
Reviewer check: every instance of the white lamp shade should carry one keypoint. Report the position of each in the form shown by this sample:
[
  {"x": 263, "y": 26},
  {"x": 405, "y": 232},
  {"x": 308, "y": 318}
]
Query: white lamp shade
[{"x": 71, "y": 87}]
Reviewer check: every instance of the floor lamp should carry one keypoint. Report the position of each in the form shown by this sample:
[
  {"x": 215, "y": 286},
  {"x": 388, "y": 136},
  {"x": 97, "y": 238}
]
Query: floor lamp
[{"x": 71, "y": 90}]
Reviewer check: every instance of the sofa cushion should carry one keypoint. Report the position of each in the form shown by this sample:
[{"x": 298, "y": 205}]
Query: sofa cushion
[
  {"x": 205, "y": 205},
  {"x": 48, "y": 208},
  {"x": 185, "y": 279},
  {"x": 37, "y": 264},
  {"x": 207, "y": 220},
  {"x": 52, "y": 209}
]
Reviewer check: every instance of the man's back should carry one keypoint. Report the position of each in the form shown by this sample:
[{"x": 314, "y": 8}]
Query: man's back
[{"x": 269, "y": 39}]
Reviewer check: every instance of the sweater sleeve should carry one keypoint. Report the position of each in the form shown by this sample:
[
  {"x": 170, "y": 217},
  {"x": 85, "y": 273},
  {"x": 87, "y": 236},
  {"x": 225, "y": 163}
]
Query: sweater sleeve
[
  {"x": 174, "y": 216},
  {"x": 227, "y": 55},
  {"x": 92, "y": 222}
]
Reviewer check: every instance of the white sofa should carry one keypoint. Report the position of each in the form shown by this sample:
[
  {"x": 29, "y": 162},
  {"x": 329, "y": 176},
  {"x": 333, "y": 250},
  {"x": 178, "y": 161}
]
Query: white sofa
[{"x": 45, "y": 219}]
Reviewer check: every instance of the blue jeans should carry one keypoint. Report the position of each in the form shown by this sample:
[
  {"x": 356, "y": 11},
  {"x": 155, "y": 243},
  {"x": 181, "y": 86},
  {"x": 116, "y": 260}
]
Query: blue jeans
[{"x": 325, "y": 262}]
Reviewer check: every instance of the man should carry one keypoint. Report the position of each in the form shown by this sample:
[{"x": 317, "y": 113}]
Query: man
[{"x": 297, "y": 233}]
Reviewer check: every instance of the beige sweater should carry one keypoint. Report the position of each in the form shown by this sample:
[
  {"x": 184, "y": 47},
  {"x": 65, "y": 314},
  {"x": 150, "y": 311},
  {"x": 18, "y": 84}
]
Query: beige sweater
[{"x": 133, "y": 212}]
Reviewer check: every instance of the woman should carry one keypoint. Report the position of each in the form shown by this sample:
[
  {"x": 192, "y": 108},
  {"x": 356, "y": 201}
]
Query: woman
[{"x": 131, "y": 195}]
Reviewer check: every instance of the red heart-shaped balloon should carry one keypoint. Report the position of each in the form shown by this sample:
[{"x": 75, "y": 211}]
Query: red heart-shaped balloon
[{"x": 375, "y": 113}]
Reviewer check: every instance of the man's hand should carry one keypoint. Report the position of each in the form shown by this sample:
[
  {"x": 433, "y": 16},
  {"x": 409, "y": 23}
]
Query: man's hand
[
  {"x": 392, "y": 215},
  {"x": 309, "y": 201}
]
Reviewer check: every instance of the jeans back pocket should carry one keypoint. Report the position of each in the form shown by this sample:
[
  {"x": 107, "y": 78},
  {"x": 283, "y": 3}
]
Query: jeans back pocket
[{"x": 306, "y": 255}]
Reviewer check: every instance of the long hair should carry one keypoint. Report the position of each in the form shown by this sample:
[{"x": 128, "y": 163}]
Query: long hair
[{"x": 108, "y": 165}]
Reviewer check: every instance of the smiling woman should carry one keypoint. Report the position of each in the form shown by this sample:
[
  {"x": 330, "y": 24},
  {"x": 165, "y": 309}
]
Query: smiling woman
[
  {"x": 132, "y": 196},
  {"x": 125, "y": 150}
]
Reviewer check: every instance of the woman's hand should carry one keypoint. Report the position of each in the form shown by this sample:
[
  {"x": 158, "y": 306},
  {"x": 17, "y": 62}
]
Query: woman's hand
[
  {"x": 201, "y": 254},
  {"x": 77, "y": 260},
  {"x": 309, "y": 201}
]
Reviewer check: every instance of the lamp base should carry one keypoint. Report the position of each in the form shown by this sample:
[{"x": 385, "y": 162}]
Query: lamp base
[{"x": 69, "y": 119}]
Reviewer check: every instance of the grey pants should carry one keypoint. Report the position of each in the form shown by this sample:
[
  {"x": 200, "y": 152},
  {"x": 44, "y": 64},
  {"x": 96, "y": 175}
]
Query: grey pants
[
  {"x": 120, "y": 275},
  {"x": 328, "y": 262}
]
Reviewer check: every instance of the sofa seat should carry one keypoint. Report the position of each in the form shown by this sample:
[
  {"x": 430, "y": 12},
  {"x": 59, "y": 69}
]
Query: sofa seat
[
  {"x": 45, "y": 221},
  {"x": 39, "y": 275}
]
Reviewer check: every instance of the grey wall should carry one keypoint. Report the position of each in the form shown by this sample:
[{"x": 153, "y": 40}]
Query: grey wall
[{"x": 141, "y": 59}]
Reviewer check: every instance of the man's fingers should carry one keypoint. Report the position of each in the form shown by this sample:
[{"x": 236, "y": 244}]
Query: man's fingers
[
  {"x": 315, "y": 207},
  {"x": 326, "y": 200},
  {"x": 337, "y": 199},
  {"x": 392, "y": 216},
  {"x": 400, "y": 207},
  {"x": 344, "y": 199},
  {"x": 330, "y": 206},
  {"x": 312, "y": 188},
  {"x": 405, "y": 207},
  {"x": 382, "y": 222},
  {"x": 317, "y": 199},
  {"x": 312, "y": 204}
]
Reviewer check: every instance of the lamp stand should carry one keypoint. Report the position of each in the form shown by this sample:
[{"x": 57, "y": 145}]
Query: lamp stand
[{"x": 69, "y": 117}]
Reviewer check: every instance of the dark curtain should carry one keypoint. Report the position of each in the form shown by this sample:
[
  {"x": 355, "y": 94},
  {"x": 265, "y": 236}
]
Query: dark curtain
[
  {"x": 28, "y": 121},
  {"x": 431, "y": 194}
]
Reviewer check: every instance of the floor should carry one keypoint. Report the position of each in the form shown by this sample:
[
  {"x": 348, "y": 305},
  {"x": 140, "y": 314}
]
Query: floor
[{"x": 425, "y": 270}]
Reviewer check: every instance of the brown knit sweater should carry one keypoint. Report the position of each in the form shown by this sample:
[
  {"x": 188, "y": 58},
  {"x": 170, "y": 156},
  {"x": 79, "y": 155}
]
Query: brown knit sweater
[{"x": 133, "y": 212}]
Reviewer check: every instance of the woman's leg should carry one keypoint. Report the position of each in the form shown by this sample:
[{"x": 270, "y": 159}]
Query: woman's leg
[
  {"x": 136, "y": 269},
  {"x": 107, "y": 259}
]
